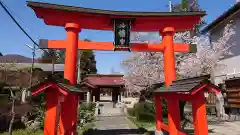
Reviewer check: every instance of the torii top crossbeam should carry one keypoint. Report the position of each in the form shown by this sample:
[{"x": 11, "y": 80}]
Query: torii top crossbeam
[
  {"x": 166, "y": 23},
  {"x": 96, "y": 19}
]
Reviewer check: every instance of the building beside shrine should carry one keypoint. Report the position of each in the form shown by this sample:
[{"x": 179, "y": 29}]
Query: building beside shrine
[
  {"x": 230, "y": 77},
  {"x": 215, "y": 30},
  {"x": 21, "y": 79}
]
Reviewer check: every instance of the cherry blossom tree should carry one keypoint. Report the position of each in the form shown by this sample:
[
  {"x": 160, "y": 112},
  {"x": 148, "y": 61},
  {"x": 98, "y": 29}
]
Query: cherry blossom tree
[
  {"x": 143, "y": 69},
  {"x": 206, "y": 60}
]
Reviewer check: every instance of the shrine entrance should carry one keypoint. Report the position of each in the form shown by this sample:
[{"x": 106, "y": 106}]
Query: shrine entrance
[
  {"x": 103, "y": 88},
  {"x": 73, "y": 19}
]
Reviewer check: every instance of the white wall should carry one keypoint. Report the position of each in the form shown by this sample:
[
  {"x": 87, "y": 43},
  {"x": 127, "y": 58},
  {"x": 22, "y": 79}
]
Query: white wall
[{"x": 232, "y": 62}]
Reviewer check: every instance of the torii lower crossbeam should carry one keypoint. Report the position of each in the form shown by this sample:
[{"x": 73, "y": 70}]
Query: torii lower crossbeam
[{"x": 167, "y": 47}]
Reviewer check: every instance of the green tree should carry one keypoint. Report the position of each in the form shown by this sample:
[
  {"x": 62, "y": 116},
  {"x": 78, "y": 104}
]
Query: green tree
[
  {"x": 87, "y": 63},
  {"x": 1, "y": 54},
  {"x": 60, "y": 54},
  {"x": 190, "y": 5},
  {"x": 87, "y": 60},
  {"x": 47, "y": 56}
]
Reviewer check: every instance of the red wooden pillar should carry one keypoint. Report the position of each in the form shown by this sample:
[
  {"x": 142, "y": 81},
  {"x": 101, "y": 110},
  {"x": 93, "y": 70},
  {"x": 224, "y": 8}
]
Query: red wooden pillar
[
  {"x": 169, "y": 58},
  {"x": 70, "y": 105},
  {"x": 173, "y": 115},
  {"x": 199, "y": 114},
  {"x": 159, "y": 120},
  {"x": 51, "y": 111}
]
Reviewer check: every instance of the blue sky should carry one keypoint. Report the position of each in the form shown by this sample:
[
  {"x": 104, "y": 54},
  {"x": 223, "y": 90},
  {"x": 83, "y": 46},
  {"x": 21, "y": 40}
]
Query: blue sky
[{"x": 12, "y": 40}]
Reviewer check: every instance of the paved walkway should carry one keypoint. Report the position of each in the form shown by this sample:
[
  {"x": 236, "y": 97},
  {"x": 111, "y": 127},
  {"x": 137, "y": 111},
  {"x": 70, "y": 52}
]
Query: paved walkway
[
  {"x": 113, "y": 125},
  {"x": 226, "y": 128},
  {"x": 113, "y": 122},
  {"x": 108, "y": 110}
]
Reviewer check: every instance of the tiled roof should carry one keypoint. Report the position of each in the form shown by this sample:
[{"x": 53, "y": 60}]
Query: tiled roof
[
  {"x": 62, "y": 83},
  {"x": 110, "y": 12},
  {"x": 23, "y": 62},
  {"x": 104, "y": 80},
  {"x": 183, "y": 85},
  {"x": 43, "y": 66}
]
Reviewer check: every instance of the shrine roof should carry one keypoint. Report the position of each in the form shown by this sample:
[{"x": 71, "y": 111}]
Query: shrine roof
[
  {"x": 111, "y": 12},
  {"x": 52, "y": 82},
  {"x": 184, "y": 85},
  {"x": 60, "y": 15},
  {"x": 98, "y": 80}
]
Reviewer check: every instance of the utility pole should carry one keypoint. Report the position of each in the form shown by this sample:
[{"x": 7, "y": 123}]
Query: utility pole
[
  {"x": 32, "y": 67},
  {"x": 53, "y": 60},
  {"x": 170, "y": 6},
  {"x": 79, "y": 68}
]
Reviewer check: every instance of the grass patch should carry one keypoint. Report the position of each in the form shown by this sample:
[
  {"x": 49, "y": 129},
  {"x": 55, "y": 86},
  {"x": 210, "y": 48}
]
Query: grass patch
[
  {"x": 86, "y": 128},
  {"x": 141, "y": 124},
  {"x": 82, "y": 131},
  {"x": 24, "y": 132}
]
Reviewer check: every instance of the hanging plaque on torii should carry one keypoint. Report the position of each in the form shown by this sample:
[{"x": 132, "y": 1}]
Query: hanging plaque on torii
[{"x": 122, "y": 30}]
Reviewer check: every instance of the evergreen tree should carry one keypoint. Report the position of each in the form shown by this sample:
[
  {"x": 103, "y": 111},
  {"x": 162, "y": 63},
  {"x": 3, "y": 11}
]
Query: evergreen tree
[
  {"x": 87, "y": 60},
  {"x": 185, "y": 5},
  {"x": 60, "y": 56},
  {"x": 190, "y": 5},
  {"x": 47, "y": 56},
  {"x": 87, "y": 63}
]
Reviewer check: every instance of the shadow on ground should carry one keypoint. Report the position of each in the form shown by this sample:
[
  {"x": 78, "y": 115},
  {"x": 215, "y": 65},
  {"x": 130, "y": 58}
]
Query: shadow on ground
[
  {"x": 191, "y": 131},
  {"x": 114, "y": 132},
  {"x": 187, "y": 131}
]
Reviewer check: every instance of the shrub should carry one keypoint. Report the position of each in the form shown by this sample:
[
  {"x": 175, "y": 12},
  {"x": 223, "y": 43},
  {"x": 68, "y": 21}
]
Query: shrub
[
  {"x": 146, "y": 117},
  {"x": 25, "y": 132},
  {"x": 164, "y": 108},
  {"x": 145, "y": 111},
  {"x": 131, "y": 111},
  {"x": 144, "y": 107},
  {"x": 86, "y": 113},
  {"x": 87, "y": 106}
]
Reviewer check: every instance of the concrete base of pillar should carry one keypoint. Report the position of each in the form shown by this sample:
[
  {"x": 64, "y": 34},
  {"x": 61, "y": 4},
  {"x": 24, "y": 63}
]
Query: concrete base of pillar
[{"x": 158, "y": 132}]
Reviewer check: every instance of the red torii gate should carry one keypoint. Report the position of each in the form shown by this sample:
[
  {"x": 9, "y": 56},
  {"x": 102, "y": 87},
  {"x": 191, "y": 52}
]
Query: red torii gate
[{"x": 76, "y": 18}]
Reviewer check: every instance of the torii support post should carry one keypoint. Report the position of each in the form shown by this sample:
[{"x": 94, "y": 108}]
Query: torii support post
[
  {"x": 51, "y": 112},
  {"x": 159, "y": 117},
  {"x": 68, "y": 121},
  {"x": 199, "y": 114},
  {"x": 169, "y": 58},
  {"x": 173, "y": 115}
]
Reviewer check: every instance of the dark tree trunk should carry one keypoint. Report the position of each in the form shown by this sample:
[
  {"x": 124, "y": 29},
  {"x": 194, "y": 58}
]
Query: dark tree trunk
[{"x": 12, "y": 113}]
